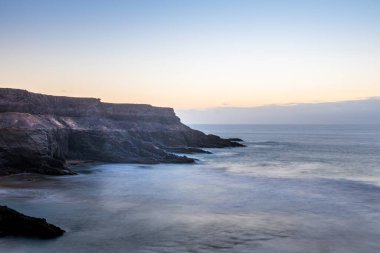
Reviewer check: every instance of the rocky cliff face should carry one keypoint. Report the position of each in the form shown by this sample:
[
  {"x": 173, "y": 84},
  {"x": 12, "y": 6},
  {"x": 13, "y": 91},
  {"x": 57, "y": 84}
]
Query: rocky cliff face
[{"x": 38, "y": 133}]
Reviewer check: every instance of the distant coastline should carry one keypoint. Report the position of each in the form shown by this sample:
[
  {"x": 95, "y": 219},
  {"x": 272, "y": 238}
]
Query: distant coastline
[{"x": 363, "y": 111}]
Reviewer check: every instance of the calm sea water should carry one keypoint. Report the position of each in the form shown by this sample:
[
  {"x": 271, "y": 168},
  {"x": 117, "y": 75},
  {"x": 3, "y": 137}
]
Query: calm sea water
[{"x": 294, "y": 189}]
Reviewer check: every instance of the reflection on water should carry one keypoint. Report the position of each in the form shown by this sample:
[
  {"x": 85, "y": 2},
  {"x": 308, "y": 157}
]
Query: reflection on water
[{"x": 283, "y": 193}]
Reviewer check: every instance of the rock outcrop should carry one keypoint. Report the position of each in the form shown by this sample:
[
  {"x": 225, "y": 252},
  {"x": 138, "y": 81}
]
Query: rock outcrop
[
  {"x": 17, "y": 224},
  {"x": 38, "y": 133}
]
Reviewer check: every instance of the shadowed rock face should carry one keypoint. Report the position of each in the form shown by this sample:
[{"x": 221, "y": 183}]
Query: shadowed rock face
[
  {"x": 17, "y": 224},
  {"x": 39, "y": 132}
]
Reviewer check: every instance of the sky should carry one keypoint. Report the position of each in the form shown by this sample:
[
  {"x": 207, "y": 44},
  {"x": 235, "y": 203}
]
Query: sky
[{"x": 193, "y": 54}]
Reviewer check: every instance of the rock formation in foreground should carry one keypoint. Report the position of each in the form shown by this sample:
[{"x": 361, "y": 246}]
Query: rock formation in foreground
[
  {"x": 38, "y": 133},
  {"x": 17, "y": 224}
]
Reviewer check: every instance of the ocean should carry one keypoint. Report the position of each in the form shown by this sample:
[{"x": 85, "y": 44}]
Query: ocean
[{"x": 293, "y": 189}]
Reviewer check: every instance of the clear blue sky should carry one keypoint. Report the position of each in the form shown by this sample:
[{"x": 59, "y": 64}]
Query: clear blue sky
[{"x": 193, "y": 54}]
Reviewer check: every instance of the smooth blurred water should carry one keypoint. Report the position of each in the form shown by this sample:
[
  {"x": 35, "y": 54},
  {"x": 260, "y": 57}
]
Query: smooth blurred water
[{"x": 294, "y": 188}]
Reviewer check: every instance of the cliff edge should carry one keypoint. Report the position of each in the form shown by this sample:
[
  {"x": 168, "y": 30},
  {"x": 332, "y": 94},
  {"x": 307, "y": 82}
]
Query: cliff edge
[{"x": 38, "y": 133}]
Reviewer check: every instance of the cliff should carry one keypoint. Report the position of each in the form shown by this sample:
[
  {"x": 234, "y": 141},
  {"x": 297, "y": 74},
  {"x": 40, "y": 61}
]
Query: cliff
[{"x": 38, "y": 133}]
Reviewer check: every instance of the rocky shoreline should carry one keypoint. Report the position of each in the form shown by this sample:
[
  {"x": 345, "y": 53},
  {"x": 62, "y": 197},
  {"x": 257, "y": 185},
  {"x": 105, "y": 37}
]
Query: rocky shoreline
[
  {"x": 39, "y": 133},
  {"x": 49, "y": 134},
  {"x": 16, "y": 224}
]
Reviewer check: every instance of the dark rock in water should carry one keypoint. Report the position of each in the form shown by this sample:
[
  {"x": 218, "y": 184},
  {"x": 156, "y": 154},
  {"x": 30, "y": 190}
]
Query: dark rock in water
[
  {"x": 187, "y": 150},
  {"x": 235, "y": 139},
  {"x": 17, "y": 224},
  {"x": 38, "y": 133}
]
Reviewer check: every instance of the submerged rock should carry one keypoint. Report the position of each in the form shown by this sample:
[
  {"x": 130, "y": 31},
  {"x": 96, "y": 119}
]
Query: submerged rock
[
  {"x": 235, "y": 139},
  {"x": 187, "y": 150},
  {"x": 38, "y": 133},
  {"x": 17, "y": 224}
]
